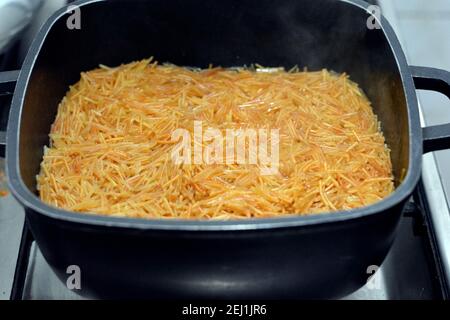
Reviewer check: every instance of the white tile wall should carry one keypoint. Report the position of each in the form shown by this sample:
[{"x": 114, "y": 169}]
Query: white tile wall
[
  {"x": 424, "y": 29},
  {"x": 419, "y": 5}
]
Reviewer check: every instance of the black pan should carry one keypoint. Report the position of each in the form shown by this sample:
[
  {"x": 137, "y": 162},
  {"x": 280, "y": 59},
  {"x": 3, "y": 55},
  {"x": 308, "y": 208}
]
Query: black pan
[{"x": 320, "y": 256}]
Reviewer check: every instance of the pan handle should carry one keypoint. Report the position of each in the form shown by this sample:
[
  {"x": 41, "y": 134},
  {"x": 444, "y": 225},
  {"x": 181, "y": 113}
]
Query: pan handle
[
  {"x": 435, "y": 137},
  {"x": 8, "y": 80}
]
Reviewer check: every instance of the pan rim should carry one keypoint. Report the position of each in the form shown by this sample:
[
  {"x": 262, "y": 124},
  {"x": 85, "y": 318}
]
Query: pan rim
[{"x": 32, "y": 202}]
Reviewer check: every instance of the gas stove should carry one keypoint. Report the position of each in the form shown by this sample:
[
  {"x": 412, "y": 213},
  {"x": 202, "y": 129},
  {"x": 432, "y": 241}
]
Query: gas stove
[
  {"x": 410, "y": 271},
  {"x": 417, "y": 266}
]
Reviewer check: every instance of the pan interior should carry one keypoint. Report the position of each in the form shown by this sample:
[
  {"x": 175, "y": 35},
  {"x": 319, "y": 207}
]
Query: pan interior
[{"x": 309, "y": 33}]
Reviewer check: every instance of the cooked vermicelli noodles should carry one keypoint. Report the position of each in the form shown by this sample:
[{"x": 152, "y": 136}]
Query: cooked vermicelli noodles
[{"x": 111, "y": 144}]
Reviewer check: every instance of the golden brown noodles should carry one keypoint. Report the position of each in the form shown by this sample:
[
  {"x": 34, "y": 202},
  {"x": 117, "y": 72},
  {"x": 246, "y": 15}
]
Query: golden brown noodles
[{"x": 111, "y": 145}]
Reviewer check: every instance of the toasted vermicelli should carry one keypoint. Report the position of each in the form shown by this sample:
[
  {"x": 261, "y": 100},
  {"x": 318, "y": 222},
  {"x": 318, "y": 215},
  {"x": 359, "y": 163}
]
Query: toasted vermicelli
[{"x": 111, "y": 144}]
